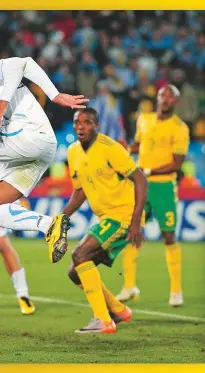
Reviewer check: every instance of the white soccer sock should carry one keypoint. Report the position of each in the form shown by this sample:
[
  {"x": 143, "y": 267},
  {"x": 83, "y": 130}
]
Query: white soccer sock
[
  {"x": 16, "y": 217},
  {"x": 19, "y": 283}
]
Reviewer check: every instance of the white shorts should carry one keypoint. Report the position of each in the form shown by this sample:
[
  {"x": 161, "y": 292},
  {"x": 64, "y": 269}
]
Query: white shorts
[
  {"x": 24, "y": 158},
  {"x": 3, "y": 232}
]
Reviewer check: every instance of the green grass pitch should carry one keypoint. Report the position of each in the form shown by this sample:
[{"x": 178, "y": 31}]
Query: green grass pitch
[{"x": 153, "y": 336}]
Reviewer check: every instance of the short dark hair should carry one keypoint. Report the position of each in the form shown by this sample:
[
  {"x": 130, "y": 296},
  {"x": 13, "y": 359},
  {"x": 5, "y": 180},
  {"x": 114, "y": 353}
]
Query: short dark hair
[{"x": 90, "y": 110}]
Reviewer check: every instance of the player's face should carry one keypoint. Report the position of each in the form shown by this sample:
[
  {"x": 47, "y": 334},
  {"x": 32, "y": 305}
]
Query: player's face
[
  {"x": 85, "y": 127},
  {"x": 166, "y": 100}
]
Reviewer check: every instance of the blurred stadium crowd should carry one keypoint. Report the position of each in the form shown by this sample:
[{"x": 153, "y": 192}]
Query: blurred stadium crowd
[{"x": 118, "y": 59}]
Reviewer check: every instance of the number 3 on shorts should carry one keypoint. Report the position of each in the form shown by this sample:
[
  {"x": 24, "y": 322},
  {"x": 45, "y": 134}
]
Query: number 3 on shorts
[
  {"x": 105, "y": 226},
  {"x": 170, "y": 221}
]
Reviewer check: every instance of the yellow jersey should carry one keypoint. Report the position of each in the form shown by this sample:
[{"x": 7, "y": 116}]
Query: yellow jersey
[
  {"x": 103, "y": 173},
  {"x": 159, "y": 140}
]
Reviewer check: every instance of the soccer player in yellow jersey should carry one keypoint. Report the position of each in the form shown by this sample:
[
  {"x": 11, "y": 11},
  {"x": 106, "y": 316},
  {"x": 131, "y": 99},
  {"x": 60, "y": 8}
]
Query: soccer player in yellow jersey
[
  {"x": 103, "y": 172},
  {"x": 162, "y": 141}
]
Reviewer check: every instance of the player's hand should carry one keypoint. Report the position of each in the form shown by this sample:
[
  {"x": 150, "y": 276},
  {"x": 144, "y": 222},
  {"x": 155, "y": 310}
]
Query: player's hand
[
  {"x": 75, "y": 102},
  {"x": 135, "y": 234}
]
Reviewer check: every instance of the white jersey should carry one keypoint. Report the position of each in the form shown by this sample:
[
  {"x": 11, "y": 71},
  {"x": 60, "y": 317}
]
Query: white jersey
[{"x": 23, "y": 109}]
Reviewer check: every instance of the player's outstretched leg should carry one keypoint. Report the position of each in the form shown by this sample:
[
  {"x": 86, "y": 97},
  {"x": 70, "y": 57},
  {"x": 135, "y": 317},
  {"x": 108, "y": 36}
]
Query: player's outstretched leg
[
  {"x": 18, "y": 277},
  {"x": 56, "y": 237},
  {"x": 17, "y": 217}
]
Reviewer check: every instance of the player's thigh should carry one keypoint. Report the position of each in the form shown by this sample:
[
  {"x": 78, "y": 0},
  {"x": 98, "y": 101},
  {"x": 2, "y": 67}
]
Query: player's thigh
[
  {"x": 86, "y": 250},
  {"x": 163, "y": 199},
  {"x": 8, "y": 193},
  {"x": 5, "y": 243},
  {"x": 111, "y": 235}
]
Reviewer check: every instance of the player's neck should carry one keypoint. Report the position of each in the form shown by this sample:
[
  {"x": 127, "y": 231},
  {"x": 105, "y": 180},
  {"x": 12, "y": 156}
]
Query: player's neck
[
  {"x": 87, "y": 145},
  {"x": 164, "y": 116}
]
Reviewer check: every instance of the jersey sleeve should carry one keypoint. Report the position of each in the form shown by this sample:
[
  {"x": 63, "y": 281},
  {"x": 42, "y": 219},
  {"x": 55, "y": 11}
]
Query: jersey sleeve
[
  {"x": 14, "y": 69},
  {"x": 120, "y": 160},
  {"x": 73, "y": 173},
  {"x": 37, "y": 75},
  {"x": 138, "y": 133},
  {"x": 181, "y": 140},
  {"x": 11, "y": 76}
]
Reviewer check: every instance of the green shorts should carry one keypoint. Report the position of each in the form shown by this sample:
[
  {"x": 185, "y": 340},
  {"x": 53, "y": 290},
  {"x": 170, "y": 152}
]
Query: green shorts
[
  {"x": 161, "y": 202},
  {"x": 111, "y": 235}
]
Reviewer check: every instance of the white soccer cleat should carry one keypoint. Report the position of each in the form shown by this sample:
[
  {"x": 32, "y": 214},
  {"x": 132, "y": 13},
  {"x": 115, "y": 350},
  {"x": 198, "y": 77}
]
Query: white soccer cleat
[
  {"x": 127, "y": 294},
  {"x": 176, "y": 299}
]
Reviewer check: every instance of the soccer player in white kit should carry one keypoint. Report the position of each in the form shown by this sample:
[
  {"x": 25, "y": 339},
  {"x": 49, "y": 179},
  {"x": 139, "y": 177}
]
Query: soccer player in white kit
[
  {"x": 17, "y": 273},
  {"x": 27, "y": 148}
]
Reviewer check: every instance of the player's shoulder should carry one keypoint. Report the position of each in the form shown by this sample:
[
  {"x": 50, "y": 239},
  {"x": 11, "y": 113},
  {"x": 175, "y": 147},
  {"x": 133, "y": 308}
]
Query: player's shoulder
[
  {"x": 146, "y": 117},
  {"x": 105, "y": 141},
  {"x": 180, "y": 124},
  {"x": 74, "y": 147}
]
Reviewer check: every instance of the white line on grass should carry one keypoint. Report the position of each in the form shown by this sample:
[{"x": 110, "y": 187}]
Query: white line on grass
[{"x": 137, "y": 311}]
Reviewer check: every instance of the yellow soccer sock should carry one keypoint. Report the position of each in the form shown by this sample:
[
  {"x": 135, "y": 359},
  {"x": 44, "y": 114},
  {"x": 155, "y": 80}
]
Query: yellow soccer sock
[
  {"x": 130, "y": 254},
  {"x": 173, "y": 258},
  {"x": 113, "y": 304},
  {"x": 91, "y": 282}
]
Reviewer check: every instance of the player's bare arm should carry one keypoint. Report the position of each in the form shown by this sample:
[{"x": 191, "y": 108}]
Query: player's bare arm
[
  {"x": 174, "y": 166},
  {"x": 140, "y": 184},
  {"x": 14, "y": 69},
  {"x": 134, "y": 148},
  {"x": 76, "y": 200}
]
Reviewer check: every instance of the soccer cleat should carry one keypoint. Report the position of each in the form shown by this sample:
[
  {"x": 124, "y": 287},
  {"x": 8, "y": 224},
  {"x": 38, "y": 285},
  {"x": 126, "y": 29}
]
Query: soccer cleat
[
  {"x": 26, "y": 306},
  {"x": 127, "y": 294},
  {"x": 176, "y": 299},
  {"x": 57, "y": 237},
  {"x": 125, "y": 315},
  {"x": 98, "y": 326}
]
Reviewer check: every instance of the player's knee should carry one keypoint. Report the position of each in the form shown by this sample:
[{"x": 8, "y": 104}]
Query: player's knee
[
  {"x": 78, "y": 256},
  {"x": 168, "y": 238},
  {"x": 73, "y": 275},
  {"x": 3, "y": 247}
]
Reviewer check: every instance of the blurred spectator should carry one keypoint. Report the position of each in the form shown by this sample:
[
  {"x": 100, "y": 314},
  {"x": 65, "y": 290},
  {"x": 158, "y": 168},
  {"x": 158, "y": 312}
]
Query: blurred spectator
[
  {"x": 199, "y": 129},
  {"x": 21, "y": 47},
  {"x": 133, "y": 76},
  {"x": 64, "y": 79},
  {"x": 162, "y": 77},
  {"x": 114, "y": 82},
  {"x": 132, "y": 41},
  {"x": 110, "y": 117},
  {"x": 159, "y": 42},
  {"x": 200, "y": 91},
  {"x": 87, "y": 76},
  {"x": 56, "y": 48},
  {"x": 85, "y": 35},
  {"x": 115, "y": 52},
  {"x": 201, "y": 52},
  {"x": 147, "y": 63},
  {"x": 101, "y": 51},
  {"x": 187, "y": 107},
  {"x": 66, "y": 23}
]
